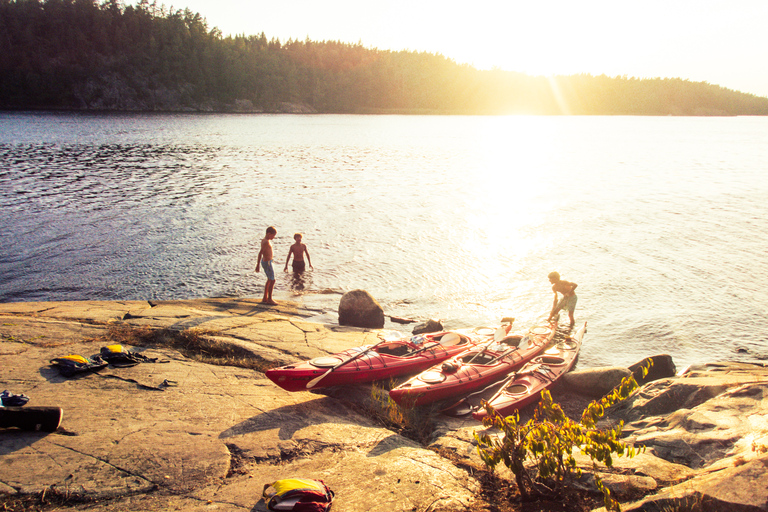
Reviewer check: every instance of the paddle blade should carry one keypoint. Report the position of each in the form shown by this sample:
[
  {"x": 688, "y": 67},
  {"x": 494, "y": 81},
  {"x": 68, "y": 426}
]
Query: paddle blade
[
  {"x": 500, "y": 333},
  {"x": 459, "y": 409},
  {"x": 450, "y": 339},
  {"x": 314, "y": 381}
]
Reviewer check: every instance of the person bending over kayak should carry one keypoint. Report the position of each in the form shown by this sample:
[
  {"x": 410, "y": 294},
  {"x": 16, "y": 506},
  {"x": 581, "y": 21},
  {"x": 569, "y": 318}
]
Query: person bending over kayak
[{"x": 568, "y": 292}]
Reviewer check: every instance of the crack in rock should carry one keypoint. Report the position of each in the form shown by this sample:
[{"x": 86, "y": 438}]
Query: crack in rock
[{"x": 106, "y": 462}]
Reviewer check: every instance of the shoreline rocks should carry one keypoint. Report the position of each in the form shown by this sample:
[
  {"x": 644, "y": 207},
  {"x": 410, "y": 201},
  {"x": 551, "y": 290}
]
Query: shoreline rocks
[
  {"x": 189, "y": 436},
  {"x": 358, "y": 308}
]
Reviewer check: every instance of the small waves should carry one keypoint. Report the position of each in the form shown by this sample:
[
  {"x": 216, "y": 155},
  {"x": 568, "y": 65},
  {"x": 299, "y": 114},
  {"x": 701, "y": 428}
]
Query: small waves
[{"x": 438, "y": 217}]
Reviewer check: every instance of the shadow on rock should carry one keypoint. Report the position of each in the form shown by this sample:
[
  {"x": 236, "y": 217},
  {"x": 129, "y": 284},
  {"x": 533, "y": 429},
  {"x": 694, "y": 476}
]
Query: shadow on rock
[
  {"x": 292, "y": 418},
  {"x": 12, "y": 439}
]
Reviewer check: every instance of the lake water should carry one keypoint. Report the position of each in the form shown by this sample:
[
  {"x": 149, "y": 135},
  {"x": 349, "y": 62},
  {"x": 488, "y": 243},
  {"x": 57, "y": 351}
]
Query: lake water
[{"x": 661, "y": 221}]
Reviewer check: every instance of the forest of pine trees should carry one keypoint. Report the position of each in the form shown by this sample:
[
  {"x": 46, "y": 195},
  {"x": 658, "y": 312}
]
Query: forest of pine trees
[{"x": 79, "y": 54}]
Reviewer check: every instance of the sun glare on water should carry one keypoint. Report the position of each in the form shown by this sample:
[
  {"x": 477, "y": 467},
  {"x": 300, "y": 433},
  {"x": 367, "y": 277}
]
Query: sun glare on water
[{"x": 508, "y": 199}]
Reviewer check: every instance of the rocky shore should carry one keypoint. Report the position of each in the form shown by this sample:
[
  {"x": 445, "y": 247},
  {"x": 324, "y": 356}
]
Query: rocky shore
[{"x": 179, "y": 434}]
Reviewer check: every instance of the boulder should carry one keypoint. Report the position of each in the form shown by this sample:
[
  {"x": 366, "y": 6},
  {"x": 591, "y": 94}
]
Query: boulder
[
  {"x": 663, "y": 367},
  {"x": 595, "y": 382},
  {"x": 430, "y": 325},
  {"x": 358, "y": 308}
]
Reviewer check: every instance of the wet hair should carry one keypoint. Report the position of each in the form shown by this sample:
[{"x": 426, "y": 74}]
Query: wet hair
[
  {"x": 270, "y": 229},
  {"x": 297, "y": 236},
  {"x": 554, "y": 275}
]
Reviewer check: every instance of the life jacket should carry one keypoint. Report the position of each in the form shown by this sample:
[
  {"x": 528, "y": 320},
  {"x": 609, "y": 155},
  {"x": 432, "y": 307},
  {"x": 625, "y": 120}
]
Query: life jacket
[
  {"x": 298, "y": 494},
  {"x": 119, "y": 357},
  {"x": 73, "y": 364}
]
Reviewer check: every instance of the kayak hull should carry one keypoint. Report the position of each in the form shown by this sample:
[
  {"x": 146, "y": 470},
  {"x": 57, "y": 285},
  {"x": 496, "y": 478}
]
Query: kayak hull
[
  {"x": 525, "y": 386},
  {"x": 387, "y": 360},
  {"x": 476, "y": 368}
]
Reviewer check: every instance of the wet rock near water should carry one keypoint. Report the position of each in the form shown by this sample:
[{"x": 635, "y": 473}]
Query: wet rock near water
[
  {"x": 431, "y": 325},
  {"x": 358, "y": 308}
]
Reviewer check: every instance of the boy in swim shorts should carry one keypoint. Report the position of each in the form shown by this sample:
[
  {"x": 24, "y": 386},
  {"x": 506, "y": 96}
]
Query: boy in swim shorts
[
  {"x": 265, "y": 262},
  {"x": 568, "y": 302},
  {"x": 298, "y": 250}
]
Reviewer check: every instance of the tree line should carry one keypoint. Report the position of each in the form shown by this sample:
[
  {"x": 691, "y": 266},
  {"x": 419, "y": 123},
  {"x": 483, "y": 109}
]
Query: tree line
[{"x": 81, "y": 54}]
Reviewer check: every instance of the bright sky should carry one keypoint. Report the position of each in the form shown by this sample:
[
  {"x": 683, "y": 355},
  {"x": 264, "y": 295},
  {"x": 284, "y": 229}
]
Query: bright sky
[{"x": 723, "y": 42}]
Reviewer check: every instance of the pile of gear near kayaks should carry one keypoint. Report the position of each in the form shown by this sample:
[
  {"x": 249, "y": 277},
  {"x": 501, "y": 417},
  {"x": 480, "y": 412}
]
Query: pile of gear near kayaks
[
  {"x": 387, "y": 359},
  {"x": 475, "y": 368},
  {"x": 525, "y": 385}
]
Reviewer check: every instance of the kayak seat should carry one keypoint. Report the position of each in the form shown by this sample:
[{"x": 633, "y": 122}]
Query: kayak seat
[
  {"x": 477, "y": 359},
  {"x": 512, "y": 341},
  {"x": 397, "y": 350}
]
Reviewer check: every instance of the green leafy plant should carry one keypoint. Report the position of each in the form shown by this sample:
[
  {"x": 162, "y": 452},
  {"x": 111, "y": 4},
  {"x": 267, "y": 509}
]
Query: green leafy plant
[{"x": 539, "y": 452}]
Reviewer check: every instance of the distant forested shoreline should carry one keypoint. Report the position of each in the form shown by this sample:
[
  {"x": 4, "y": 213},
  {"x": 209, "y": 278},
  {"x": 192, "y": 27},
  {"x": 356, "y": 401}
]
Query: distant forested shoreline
[{"x": 79, "y": 54}]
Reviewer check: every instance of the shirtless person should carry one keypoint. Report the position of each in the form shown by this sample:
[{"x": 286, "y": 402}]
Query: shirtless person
[
  {"x": 298, "y": 250},
  {"x": 265, "y": 261},
  {"x": 569, "y": 296}
]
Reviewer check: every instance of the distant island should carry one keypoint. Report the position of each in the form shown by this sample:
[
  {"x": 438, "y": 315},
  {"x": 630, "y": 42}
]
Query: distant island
[{"x": 81, "y": 55}]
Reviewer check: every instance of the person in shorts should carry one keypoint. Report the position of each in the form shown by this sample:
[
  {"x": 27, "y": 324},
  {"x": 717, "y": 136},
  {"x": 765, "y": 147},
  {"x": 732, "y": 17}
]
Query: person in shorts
[
  {"x": 265, "y": 262},
  {"x": 568, "y": 301},
  {"x": 298, "y": 250}
]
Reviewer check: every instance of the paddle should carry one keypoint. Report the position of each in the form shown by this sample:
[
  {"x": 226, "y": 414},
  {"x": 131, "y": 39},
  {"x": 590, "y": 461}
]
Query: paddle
[
  {"x": 499, "y": 335},
  {"x": 448, "y": 338},
  {"x": 314, "y": 381}
]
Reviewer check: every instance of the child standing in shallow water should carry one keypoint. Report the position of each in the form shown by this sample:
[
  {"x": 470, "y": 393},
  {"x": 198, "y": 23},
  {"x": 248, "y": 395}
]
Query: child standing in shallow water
[
  {"x": 265, "y": 261},
  {"x": 298, "y": 250}
]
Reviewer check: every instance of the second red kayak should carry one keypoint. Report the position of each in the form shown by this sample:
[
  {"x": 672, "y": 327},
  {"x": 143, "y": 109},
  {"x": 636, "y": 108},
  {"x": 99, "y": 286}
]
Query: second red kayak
[{"x": 474, "y": 368}]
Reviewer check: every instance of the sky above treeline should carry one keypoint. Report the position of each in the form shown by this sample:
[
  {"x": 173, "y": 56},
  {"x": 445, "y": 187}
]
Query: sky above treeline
[{"x": 723, "y": 42}]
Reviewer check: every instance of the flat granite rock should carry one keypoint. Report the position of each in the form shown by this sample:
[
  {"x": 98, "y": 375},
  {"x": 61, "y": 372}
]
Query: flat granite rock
[{"x": 182, "y": 435}]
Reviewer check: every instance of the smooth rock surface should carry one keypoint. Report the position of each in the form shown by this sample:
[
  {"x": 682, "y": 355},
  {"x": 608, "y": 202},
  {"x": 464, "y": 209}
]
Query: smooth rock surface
[
  {"x": 216, "y": 435},
  {"x": 595, "y": 382},
  {"x": 178, "y": 434}
]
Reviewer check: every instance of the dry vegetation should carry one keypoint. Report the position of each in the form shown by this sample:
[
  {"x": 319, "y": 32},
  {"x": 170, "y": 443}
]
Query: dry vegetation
[{"x": 197, "y": 345}]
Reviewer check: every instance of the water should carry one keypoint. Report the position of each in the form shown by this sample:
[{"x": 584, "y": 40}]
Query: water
[{"x": 661, "y": 221}]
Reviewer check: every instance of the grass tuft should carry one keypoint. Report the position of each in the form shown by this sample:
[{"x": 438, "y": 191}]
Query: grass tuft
[
  {"x": 414, "y": 423},
  {"x": 195, "y": 344}
]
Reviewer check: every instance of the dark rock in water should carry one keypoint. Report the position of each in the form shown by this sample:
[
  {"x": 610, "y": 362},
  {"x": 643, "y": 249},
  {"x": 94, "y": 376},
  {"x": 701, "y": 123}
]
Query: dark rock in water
[
  {"x": 359, "y": 309},
  {"x": 663, "y": 367},
  {"x": 430, "y": 325}
]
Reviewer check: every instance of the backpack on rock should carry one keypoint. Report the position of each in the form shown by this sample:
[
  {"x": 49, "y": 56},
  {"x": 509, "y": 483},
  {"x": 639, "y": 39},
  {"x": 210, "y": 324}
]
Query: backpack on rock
[{"x": 299, "y": 495}]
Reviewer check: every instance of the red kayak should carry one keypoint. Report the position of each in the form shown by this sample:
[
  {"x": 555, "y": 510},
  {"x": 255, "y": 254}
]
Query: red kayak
[
  {"x": 384, "y": 360},
  {"x": 525, "y": 386},
  {"x": 475, "y": 368}
]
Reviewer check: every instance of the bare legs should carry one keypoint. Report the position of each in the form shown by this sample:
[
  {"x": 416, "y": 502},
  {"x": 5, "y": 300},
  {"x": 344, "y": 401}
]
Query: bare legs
[{"x": 268, "y": 293}]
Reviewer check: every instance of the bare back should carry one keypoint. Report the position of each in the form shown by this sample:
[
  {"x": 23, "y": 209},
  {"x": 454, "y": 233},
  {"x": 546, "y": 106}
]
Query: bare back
[{"x": 564, "y": 287}]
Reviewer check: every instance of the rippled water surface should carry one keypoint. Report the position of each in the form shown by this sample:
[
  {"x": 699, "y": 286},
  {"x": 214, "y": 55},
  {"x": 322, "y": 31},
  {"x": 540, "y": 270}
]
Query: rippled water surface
[{"x": 661, "y": 221}]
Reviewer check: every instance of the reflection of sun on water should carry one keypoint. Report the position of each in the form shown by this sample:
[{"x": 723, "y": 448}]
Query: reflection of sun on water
[{"x": 507, "y": 200}]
